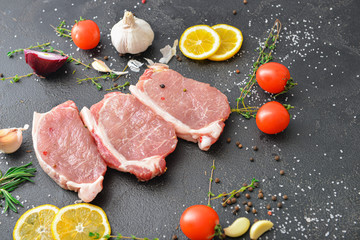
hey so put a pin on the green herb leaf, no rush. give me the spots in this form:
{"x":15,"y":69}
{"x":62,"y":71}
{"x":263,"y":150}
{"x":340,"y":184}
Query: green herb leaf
{"x":10,"y":181}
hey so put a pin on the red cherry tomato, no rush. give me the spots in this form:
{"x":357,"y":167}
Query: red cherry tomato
{"x":85,"y":34}
{"x":272,"y":77}
{"x":198,"y":222}
{"x":272,"y":118}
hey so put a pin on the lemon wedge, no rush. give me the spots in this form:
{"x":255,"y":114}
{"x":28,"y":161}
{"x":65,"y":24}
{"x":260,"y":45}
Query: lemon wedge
{"x":35,"y":223}
{"x":231,"y":41}
{"x":199,"y":42}
{"x":76,"y":221}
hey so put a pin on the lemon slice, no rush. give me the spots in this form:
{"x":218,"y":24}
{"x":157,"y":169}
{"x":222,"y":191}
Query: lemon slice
{"x":199,"y":42}
{"x":231,"y":41}
{"x":35,"y":223}
{"x":76,"y":221}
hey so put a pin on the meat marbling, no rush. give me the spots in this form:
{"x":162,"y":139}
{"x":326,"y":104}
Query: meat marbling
{"x":196,"y":109}
{"x":67,"y":152}
{"x":130,"y":136}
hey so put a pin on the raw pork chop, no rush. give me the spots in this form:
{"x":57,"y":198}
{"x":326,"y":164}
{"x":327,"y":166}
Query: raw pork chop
{"x":196,"y":109}
{"x":130,"y":136}
{"x":67,"y":152}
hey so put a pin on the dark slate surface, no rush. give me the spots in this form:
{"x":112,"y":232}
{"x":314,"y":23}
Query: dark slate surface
{"x":319,"y":150}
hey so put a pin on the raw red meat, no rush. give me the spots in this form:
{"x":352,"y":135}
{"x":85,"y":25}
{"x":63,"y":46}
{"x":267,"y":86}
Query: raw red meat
{"x":67,"y":152}
{"x":196,"y":109}
{"x":130,"y":136}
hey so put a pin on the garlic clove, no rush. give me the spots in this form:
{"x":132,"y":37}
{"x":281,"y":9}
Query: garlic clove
{"x":102,"y":67}
{"x":11,"y":139}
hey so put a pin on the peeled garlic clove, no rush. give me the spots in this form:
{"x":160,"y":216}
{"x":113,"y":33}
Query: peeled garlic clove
{"x":238,"y":228}
{"x":11,"y":139}
{"x":259,"y":228}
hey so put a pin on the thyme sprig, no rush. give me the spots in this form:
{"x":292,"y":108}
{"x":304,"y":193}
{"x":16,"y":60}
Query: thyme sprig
{"x":210,"y":194}
{"x":233,"y":192}
{"x":10,"y":54}
{"x":119,"y":87}
{"x":10,"y":181}
{"x":16,"y":78}
{"x":265,"y":55}
{"x":94,"y":79}
{"x":95,"y":235}
{"x":289,"y":85}
{"x":63,"y":32}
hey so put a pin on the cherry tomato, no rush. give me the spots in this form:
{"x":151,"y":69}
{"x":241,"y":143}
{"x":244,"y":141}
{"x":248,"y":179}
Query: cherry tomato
{"x":272,"y":77}
{"x":198,"y":222}
{"x":272,"y":118}
{"x":85,"y":34}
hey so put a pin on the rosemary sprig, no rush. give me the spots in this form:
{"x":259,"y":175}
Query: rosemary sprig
{"x":61,"y":30}
{"x":16,"y":78}
{"x":264,"y":57}
{"x":119,"y":87}
{"x":210,"y":194}
{"x":94,"y":79}
{"x":233,"y":192}
{"x":10,"y":181}
{"x":10,"y":54}
{"x":96,"y":235}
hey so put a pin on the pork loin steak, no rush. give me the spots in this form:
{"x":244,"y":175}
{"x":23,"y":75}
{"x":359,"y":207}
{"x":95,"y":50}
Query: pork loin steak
{"x":196,"y":109}
{"x":130,"y":136}
{"x":67,"y":152}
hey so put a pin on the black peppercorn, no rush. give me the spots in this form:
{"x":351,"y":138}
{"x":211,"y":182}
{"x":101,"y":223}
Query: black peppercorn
{"x":162,"y":85}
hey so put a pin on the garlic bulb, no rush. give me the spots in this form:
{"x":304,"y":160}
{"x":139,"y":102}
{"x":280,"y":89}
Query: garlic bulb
{"x":11,"y":139}
{"x":131,"y":35}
